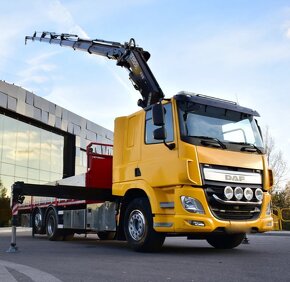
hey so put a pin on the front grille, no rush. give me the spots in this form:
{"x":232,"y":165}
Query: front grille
{"x":231,"y":210}
{"x":230,"y":214}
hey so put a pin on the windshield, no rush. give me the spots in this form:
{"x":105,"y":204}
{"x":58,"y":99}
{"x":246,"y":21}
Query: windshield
{"x":223,"y":126}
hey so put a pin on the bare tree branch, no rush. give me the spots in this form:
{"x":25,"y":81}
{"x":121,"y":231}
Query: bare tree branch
{"x":275,"y":161}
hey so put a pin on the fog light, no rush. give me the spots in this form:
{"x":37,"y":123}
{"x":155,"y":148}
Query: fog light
{"x":196,"y":223}
{"x":238,"y":193}
{"x":192,"y":205}
{"x":228,"y":192}
{"x":248,"y":193}
{"x":259,"y":194}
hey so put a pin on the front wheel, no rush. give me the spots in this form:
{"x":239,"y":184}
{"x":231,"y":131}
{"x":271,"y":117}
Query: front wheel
{"x":226,"y":241}
{"x":138,"y":227}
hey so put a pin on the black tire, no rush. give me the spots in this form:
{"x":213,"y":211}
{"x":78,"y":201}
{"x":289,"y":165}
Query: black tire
{"x":138,"y":227}
{"x":38,"y":226}
{"x":106,"y":235}
{"x":225,"y":241}
{"x":52,"y":232}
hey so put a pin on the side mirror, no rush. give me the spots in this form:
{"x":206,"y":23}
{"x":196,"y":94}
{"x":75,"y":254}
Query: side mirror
{"x":160,"y":133}
{"x":158,"y":114}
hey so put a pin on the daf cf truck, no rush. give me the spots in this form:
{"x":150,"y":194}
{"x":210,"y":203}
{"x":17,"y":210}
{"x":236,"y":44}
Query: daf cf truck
{"x":190,"y":165}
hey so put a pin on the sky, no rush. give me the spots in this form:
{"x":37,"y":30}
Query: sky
{"x":231,"y":49}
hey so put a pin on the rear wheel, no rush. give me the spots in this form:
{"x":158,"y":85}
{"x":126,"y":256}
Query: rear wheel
{"x":38,"y":226}
{"x":52,"y":231}
{"x":226,"y":241}
{"x":138,"y":227}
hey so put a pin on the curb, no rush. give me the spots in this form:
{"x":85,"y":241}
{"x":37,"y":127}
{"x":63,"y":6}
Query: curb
{"x":9,"y":229}
{"x":274,"y":233}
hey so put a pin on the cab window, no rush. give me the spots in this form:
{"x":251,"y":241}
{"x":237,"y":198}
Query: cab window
{"x":150,"y":127}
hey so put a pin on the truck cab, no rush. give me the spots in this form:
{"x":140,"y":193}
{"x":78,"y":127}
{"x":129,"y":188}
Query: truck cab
{"x":205,"y":175}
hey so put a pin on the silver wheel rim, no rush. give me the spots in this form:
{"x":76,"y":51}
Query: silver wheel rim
{"x":38,"y":220}
{"x":50,"y":225}
{"x":136,"y":225}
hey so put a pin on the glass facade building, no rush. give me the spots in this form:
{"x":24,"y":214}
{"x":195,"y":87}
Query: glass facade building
{"x":29,"y":153}
{"x":41,"y":142}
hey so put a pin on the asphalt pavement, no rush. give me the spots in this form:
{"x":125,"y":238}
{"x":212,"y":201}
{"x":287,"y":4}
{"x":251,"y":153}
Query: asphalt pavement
{"x":265,"y":258}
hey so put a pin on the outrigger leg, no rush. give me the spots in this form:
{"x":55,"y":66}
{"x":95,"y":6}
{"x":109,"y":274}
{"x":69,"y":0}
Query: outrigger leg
{"x":15,"y":201}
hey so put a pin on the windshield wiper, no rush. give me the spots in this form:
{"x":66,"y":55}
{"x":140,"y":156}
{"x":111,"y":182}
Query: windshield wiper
{"x":249,"y":147}
{"x":211,"y":141}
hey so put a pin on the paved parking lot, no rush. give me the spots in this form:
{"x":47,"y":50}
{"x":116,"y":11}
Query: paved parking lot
{"x":265,"y":258}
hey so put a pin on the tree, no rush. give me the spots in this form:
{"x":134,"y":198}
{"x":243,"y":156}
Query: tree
{"x":281,"y":199}
{"x":3,"y":191}
{"x":5,"y":211}
{"x":275,"y":161}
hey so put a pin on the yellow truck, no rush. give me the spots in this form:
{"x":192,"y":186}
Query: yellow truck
{"x":191,"y":165}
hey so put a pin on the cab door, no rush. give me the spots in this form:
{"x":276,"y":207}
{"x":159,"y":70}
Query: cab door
{"x":158,"y":164}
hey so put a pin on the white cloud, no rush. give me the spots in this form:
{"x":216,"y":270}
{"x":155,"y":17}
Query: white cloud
{"x":39,"y":59}
{"x":243,"y":47}
{"x":100,"y":104}
{"x":37,"y":69}
{"x":59,"y":14}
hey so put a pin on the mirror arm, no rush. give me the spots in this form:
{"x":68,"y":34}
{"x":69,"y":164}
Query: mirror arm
{"x":259,"y":128}
{"x":170,"y":146}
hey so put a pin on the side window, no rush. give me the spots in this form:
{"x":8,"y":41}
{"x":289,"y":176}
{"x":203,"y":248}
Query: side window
{"x":150,"y":127}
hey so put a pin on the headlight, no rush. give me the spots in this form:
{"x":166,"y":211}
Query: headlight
{"x":228,"y":192}
{"x":238,"y":192}
{"x":248,"y":193}
{"x":192,"y":205}
{"x":259,"y":194}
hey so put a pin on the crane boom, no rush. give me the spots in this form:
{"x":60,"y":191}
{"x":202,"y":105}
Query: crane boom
{"x":127,"y":55}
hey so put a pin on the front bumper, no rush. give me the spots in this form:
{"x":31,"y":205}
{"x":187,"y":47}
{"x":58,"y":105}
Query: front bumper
{"x":182,"y":221}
